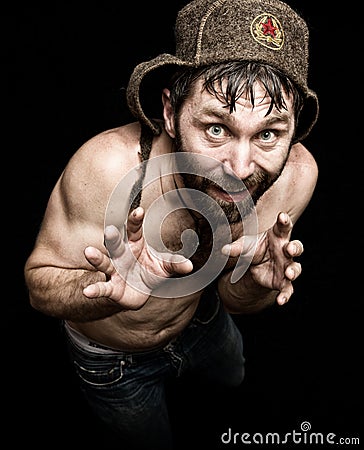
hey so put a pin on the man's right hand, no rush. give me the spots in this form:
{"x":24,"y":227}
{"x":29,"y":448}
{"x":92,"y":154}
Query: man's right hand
{"x":132,"y":268}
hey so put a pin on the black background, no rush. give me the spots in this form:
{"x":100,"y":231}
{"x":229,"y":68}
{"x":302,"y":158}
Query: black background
{"x":65,"y":70}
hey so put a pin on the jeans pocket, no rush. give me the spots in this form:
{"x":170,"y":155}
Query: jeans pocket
{"x":100,"y":375}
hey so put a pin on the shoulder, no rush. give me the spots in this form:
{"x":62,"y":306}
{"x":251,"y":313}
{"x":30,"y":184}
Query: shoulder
{"x":293,"y":190}
{"x":95,"y":169}
{"x":298,"y":180}
{"x":112,"y":153}
{"x":301,"y":159}
{"x":300,"y":172}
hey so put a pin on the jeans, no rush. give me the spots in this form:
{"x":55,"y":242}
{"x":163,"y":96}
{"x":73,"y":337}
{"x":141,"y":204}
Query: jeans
{"x":127,"y":389}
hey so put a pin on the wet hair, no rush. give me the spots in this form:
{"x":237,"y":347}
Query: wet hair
{"x":238,"y":78}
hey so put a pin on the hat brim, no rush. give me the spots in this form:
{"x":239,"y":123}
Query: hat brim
{"x":139,"y":77}
{"x":308,"y":115}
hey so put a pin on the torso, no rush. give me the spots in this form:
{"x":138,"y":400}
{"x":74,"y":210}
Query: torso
{"x":161,"y":319}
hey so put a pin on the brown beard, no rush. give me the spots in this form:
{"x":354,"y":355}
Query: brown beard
{"x":256,"y":184}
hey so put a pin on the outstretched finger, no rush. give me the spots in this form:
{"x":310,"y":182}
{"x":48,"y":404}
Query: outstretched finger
{"x":283,"y":225}
{"x":99,"y":289}
{"x":293,"y":271}
{"x":293,"y":249}
{"x":177,"y":265}
{"x":244,"y":246}
{"x":113,"y":241}
{"x":134,"y":224}
{"x":285,"y":293}
{"x":98,"y":260}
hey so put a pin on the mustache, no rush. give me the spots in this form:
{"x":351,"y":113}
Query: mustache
{"x":256,"y":184}
{"x":257,"y":178}
{"x":232,"y":184}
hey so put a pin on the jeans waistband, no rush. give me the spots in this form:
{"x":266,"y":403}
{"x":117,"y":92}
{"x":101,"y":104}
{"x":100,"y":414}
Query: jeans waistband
{"x":208,"y":307}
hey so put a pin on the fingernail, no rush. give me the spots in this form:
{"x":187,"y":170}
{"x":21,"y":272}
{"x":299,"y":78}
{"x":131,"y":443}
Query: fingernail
{"x":226,"y":250}
{"x":283,"y":300}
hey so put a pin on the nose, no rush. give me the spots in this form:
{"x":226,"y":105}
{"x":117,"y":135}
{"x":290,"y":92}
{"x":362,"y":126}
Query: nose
{"x":239,"y":160}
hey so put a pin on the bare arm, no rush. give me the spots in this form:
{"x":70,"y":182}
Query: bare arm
{"x":57,"y":270}
{"x":59,"y":293}
{"x":70,"y":274}
{"x":269,"y":278}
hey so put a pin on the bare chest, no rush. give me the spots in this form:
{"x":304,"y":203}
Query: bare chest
{"x":170,"y":226}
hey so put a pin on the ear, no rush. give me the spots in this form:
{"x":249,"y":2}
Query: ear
{"x":168,"y":114}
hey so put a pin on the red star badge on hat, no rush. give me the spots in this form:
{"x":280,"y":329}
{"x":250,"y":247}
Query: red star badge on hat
{"x":267,"y":30}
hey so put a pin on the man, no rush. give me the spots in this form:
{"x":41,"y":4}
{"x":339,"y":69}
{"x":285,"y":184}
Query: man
{"x":223,"y":163}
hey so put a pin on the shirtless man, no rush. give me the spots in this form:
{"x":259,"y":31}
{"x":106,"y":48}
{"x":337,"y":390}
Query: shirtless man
{"x":106,"y":285}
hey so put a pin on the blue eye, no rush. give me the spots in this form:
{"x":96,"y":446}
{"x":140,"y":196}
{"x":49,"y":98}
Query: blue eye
{"x":215,"y":130}
{"x":266,"y":135}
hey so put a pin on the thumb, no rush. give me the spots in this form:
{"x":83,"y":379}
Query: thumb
{"x":177,"y":264}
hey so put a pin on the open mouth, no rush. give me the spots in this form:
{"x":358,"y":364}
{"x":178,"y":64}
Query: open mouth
{"x":229,"y":196}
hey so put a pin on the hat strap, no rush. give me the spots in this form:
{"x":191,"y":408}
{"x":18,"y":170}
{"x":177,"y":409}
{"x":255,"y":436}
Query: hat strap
{"x":146,"y":141}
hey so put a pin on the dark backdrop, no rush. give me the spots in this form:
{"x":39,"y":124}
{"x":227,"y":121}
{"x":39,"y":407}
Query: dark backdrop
{"x":65,"y":70}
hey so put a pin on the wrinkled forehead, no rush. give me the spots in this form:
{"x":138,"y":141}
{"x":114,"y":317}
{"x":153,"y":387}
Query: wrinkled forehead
{"x":245,"y":95}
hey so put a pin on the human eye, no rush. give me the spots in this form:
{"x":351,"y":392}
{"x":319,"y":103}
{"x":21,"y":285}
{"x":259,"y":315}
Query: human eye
{"x":216,"y":130}
{"x":267,"y":135}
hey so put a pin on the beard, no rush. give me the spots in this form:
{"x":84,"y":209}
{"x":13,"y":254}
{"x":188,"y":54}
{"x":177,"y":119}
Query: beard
{"x":235,"y":212}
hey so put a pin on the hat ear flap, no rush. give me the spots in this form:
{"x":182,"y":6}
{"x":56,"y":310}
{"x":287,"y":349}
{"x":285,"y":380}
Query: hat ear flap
{"x":307,"y":117}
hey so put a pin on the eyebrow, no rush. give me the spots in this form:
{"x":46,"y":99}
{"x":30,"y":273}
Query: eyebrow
{"x":273,"y":118}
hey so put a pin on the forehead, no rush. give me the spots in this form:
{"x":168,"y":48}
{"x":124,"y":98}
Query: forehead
{"x":256,"y":96}
{"x":252,"y":111}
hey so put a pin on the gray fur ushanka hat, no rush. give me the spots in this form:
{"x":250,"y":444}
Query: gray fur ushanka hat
{"x":216,"y":31}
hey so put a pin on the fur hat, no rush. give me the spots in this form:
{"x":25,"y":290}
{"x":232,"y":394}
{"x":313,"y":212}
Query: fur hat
{"x":216,"y":31}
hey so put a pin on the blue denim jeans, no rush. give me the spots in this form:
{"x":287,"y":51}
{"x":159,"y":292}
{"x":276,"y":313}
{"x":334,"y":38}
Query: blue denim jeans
{"x":127,"y":389}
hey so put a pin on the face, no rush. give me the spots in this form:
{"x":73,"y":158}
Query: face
{"x":247,"y":145}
